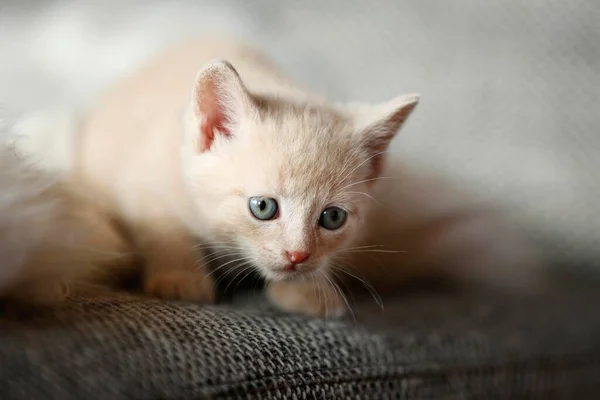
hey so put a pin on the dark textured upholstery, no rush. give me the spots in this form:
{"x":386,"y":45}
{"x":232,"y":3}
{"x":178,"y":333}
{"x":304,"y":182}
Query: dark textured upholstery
{"x":421,"y":346}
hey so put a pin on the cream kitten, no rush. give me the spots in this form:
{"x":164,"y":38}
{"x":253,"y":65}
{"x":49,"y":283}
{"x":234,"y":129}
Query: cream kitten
{"x":270,"y":176}
{"x":236,"y":156}
{"x":50,"y":238}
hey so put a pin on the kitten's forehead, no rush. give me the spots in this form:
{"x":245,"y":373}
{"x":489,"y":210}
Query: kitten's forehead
{"x":314,"y":149}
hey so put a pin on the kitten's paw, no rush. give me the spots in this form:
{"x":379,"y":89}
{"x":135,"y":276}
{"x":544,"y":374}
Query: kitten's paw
{"x":304,"y":297}
{"x":184,"y":285}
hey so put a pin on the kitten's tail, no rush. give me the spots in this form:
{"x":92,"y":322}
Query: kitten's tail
{"x":47,"y":138}
{"x":50,"y":238}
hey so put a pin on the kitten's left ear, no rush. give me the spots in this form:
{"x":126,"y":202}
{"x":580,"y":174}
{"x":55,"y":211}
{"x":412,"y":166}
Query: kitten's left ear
{"x":378,"y":125}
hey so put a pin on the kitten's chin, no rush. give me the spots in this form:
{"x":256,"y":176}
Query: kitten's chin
{"x":279,"y":276}
{"x":282,"y":275}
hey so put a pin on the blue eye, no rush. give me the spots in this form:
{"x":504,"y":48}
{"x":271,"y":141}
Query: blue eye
{"x":263,"y":208}
{"x":333,"y":218}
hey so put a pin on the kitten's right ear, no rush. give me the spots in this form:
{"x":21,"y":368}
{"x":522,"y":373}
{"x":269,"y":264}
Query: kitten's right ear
{"x":219,"y":101}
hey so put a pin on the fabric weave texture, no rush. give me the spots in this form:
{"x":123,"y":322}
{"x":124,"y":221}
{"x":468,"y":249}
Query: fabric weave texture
{"x":419,"y":347}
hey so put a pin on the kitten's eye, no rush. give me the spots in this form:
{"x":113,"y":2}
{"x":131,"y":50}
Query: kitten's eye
{"x":332,"y":218}
{"x":263,"y":208}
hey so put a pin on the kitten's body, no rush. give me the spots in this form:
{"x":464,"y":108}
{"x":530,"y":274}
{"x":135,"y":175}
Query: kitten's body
{"x":178,"y":155}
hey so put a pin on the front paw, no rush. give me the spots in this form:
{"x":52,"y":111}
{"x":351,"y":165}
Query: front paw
{"x":196,"y":286}
{"x":307,"y":298}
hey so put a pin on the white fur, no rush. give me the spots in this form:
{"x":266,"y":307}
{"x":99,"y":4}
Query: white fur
{"x":47,"y":139}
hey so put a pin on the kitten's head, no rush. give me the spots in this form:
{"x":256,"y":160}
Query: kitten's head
{"x":286,"y":185}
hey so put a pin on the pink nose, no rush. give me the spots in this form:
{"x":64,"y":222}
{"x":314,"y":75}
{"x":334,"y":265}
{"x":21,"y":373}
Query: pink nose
{"x":296,"y":257}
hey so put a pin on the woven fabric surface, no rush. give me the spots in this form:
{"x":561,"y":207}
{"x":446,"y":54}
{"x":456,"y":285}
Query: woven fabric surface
{"x":434,"y":346}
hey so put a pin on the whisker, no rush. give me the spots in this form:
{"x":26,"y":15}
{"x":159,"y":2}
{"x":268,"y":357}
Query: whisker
{"x":317,"y":285}
{"x":367,"y":285}
{"x":346,"y":166}
{"x":226,"y":264}
{"x":367,"y":195}
{"x":224,"y":252}
{"x":258,"y":280}
{"x":363,"y":163}
{"x":375,"y":251}
{"x":373,"y":258}
{"x":226,"y":273}
{"x":364,"y":247}
{"x":326,"y":297}
{"x":214,"y":244}
{"x":251,"y":270}
{"x":213,"y":249}
{"x":239,"y":273}
{"x":337,"y":289}
{"x":367,"y":180}
{"x":376,"y":248}
{"x":215,"y":256}
{"x":341,"y":281}
{"x":314,"y":288}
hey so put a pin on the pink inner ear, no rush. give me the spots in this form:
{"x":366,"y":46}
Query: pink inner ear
{"x":212,"y":114}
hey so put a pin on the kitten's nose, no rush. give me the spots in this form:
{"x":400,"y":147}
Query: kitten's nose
{"x":296,"y":257}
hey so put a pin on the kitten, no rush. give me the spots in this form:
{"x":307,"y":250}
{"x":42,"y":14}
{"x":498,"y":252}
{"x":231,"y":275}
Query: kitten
{"x":269,"y":176}
{"x":50,"y":237}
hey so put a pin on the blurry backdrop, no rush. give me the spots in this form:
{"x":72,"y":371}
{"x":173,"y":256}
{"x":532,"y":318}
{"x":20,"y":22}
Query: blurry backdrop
{"x":511,"y":89}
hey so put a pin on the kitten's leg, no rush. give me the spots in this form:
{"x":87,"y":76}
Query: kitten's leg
{"x":308,"y":297}
{"x":173,"y":268}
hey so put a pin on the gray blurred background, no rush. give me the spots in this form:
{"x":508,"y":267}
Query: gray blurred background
{"x":511,"y":89}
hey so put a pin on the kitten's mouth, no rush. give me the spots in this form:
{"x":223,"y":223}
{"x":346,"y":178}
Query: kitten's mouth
{"x":290,"y":271}
{"x":287,"y":271}
{"x":289,"y":268}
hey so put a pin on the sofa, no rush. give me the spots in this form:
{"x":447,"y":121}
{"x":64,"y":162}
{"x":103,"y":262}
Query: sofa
{"x":432,"y":343}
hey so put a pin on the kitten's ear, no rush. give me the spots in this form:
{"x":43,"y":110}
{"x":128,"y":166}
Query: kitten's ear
{"x":379,"y":124}
{"x":219,"y":101}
